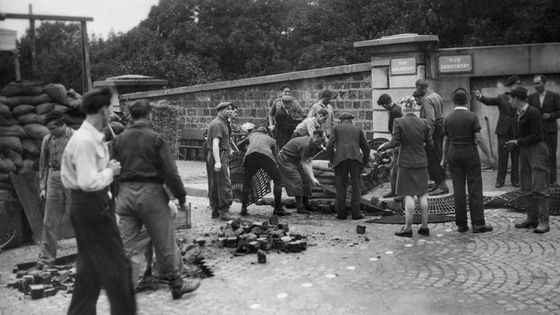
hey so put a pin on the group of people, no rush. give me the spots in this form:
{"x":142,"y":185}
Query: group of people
{"x":286,"y":155}
{"x":526,"y":130}
{"x":111,"y":190}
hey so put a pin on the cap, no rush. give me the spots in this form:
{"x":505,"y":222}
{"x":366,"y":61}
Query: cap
{"x":519,"y":92}
{"x":460,"y":96}
{"x":384,"y":99}
{"x":260,"y":129}
{"x":512,"y":80}
{"x":223,"y":105}
{"x":345,"y":116}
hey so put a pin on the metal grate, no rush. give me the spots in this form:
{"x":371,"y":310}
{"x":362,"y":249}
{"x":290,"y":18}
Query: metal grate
{"x":517,"y":200}
{"x":444,"y":205}
{"x":260,"y":181}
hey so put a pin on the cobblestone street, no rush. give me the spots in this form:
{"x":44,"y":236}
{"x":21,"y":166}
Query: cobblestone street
{"x":507,"y":271}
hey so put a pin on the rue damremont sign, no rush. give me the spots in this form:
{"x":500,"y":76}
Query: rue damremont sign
{"x":455,"y":64}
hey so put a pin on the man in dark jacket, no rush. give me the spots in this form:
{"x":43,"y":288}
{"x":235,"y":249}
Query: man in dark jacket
{"x":261,"y":154}
{"x":147,"y":164}
{"x":504,"y":131}
{"x":461,"y":130}
{"x":548,"y":103}
{"x":533,"y":157}
{"x":343,"y":150}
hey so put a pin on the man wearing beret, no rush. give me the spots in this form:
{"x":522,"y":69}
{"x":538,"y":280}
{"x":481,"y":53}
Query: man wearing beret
{"x":504,"y":130}
{"x":432,"y":111}
{"x":147,"y":164}
{"x":325,"y":98}
{"x":217,"y":162}
{"x":548,"y":103}
{"x":343,"y":150}
{"x":56,"y":195}
{"x":395,"y":111}
{"x":285,"y":114}
{"x":461,"y":130}
{"x":533,"y":161}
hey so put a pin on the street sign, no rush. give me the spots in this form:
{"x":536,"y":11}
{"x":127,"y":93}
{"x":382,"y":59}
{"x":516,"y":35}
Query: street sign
{"x":455,"y":64}
{"x":403,"y":66}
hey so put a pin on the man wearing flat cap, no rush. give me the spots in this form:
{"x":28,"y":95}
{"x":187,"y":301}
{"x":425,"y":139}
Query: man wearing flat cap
{"x":345,"y":157}
{"x":217,"y":162}
{"x":285,"y":114}
{"x":548,"y":103}
{"x":432,"y":111}
{"x":325,"y":97}
{"x":57,"y":197}
{"x":504,"y":131}
{"x":461,"y":130}
{"x":533,"y":161}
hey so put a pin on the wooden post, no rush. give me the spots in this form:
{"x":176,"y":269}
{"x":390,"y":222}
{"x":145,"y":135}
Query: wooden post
{"x":33,"y":46}
{"x":86,"y":72}
{"x":16,"y":64}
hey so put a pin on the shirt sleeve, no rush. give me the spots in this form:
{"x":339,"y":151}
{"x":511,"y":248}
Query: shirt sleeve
{"x":476,"y":125}
{"x":311,"y":125}
{"x":169,"y":170}
{"x":312,"y":111}
{"x":89,"y":177}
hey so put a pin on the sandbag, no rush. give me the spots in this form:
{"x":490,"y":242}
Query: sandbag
{"x":5,"y":178}
{"x":30,"y":100}
{"x":57,"y":92}
{"x":3,"y":99}
{"x":8,"y":121}
{"x":59,"y":108}
{"x":44,"y":108}
{"x":7,"y":166}
{"x":22,"y":109}
{"x":74,"y":100}
{"x":27,"y":88}
{"x":31,"y":118}
{"x":36,"y":131}
{"x":11,"y":143}
{"x":14,"y":157}
{"x":30,"y":148}
{"x":5,"y":111}
{"x":28,"y":164}
{"x":12,"y":131}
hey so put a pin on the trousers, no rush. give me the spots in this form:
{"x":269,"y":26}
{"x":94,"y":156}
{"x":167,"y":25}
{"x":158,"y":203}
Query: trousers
{"x":341,"y":171}
{"x":56,"y":208}
{"x":551,"y":138}
{"x":219,"y":183}
{"x":503,"y":157}
{"x":533,"y":162}
{"x":101,"y":261}
{"x":464,"y":164}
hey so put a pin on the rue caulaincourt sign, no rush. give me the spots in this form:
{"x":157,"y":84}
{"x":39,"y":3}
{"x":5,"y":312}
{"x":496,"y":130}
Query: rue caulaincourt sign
{"x":403,"y":66}
{"x":455,"y":64}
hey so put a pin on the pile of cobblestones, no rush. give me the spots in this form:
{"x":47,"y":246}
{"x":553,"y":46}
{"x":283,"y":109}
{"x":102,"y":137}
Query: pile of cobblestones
{"x":39,"y":283}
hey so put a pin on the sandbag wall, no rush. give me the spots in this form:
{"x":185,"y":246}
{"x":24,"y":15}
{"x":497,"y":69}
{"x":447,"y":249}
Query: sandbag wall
{"x":23,"y":108}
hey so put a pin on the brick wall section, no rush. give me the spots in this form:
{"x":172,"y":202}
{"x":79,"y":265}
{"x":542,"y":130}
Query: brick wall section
{"x":196,"y":109}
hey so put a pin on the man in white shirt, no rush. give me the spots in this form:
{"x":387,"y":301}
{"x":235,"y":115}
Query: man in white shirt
{"x":310,"y":124}
{"x":325,"y":97}
{"x":87,"y":172}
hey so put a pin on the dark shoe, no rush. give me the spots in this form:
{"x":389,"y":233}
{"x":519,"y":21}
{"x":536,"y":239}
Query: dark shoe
{"x":358,"y":217}
{"x":281,"y":212}
{"x":302,"y":211}
{"x":399,"y":198}
{"x":404,"y":233}
{"x":432,"y":187}
{"x":499,"y":185}
{"x":309,"y":207}
{"x":389,"y":194}
{"x":244,"y":212}
{"x":516,"y":185}
{"x":186,"y":287}
{"x":439,"y":191}
{"x":526,"y":225}
{"x":462,"y":228}
{"x":424,"y":231}
{"x":225,"y":216}
{"x":482,"y":228}
{"x":215,"y":214}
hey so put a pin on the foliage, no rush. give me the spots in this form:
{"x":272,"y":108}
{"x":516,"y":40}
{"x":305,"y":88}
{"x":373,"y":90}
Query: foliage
{"x":196,"y":41}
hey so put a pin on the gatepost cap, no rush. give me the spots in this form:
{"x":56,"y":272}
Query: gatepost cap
{"x":223,"y":105}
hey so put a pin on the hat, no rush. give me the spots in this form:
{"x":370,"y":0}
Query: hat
{"x":345,"y":116}
{"x":288,"y":98}
{"x":422,"y":84}
{"x":327,"y":94}
{"x":384,"y":99}
{"x":247,"y":126}
{"x":519,"y":92}
{"x":460,"y":96}
{"x":260,"y":129}
{"x":223,"y":105}
{"x":512,"y":80}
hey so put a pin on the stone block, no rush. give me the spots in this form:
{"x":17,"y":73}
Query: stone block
{"x":361,"y":229}
{"x":231,"y":242}
{"x":261,"y":257}
{"x":37,"y":291}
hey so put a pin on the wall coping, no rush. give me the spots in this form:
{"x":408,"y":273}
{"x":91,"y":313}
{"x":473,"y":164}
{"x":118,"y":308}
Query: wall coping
{"x":274,"y":78}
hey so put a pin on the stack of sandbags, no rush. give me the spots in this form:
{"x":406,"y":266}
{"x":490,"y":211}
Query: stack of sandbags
{"x":23,"y":108}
